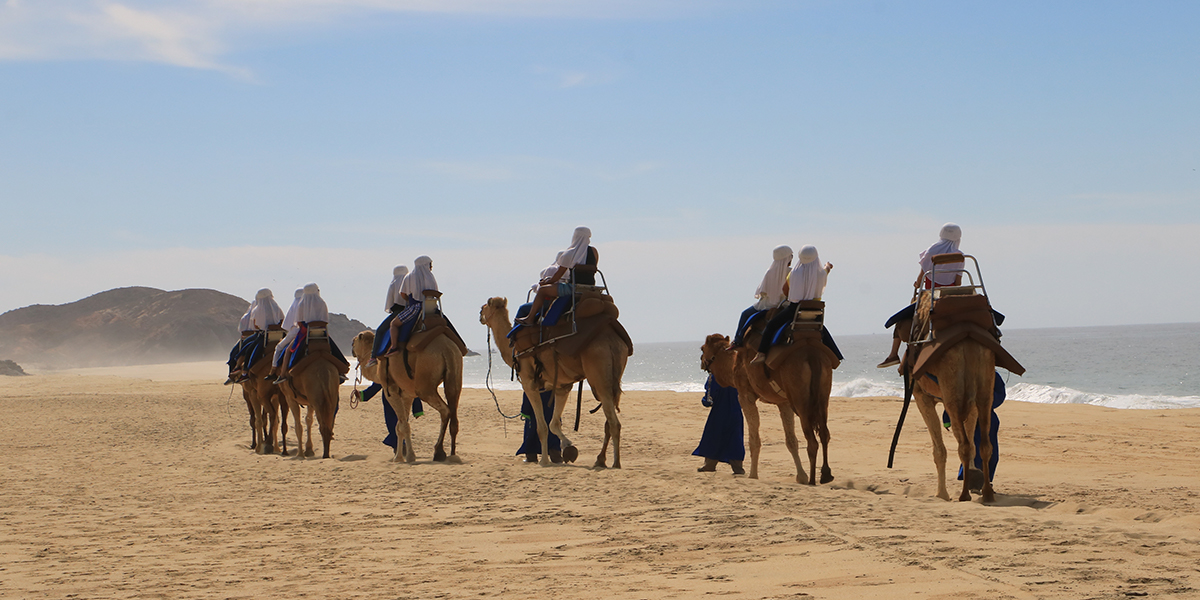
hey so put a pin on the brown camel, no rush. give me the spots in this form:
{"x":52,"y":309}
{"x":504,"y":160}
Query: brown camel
{"x":799,"y":376}
{"x":601,"y":361}
{"x":965,"y":375}
{"x":314,"y":382}
{"x":718,"y":358}
{"x":266,"y":401}
{"x":438,"y":363}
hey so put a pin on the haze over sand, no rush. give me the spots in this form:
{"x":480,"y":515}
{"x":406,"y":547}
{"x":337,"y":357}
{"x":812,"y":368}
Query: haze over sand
{"x":123,"y":484}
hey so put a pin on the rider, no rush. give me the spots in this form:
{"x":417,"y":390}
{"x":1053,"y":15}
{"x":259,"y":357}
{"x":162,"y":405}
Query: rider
{"x":264,"y":313}
{"x":393,"y":304}
{"x":246,"y":330}
{"x":412,"y":295}
{"x":293,"y":329}
{"x":948,"y":241}
{"x":579,"y":253}
{"x":312,"y":309}
{"x":770,"y":293}
{"x":806,"y":282}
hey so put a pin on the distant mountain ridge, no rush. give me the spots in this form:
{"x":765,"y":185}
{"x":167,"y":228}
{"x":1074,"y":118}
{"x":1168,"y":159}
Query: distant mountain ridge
{"x":133,"y":326}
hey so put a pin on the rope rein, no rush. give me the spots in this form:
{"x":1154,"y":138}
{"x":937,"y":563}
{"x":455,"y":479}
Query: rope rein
{"x":487,"y":381}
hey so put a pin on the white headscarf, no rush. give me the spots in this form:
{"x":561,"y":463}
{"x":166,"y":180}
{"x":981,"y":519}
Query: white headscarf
{"x":420,"y":279}
{"x":266,"y":311}
{"x":393,"y":293}
{"x":949,"y":237}
{"x":289,"y":320}
{"x":245,"y":323}
{"x":809,"y":277}
{"x":577,"y":253}
{"x":770,"y":291}
{"x":312,"y":307}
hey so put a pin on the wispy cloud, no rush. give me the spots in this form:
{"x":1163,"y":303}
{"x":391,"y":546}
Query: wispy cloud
{"x":197,"y":34}
{"x":570,"y":78}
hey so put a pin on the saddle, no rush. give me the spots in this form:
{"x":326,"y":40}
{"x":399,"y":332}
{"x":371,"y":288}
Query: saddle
{"x":434,"y":326}
{"x":805,"y":333}
{"x":525,"y":339}
{"x":317,"y":347}
{"x":953,"y":319}
{"x":271,"y":338}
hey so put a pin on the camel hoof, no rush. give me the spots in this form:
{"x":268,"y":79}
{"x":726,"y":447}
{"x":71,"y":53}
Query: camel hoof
{"x":826,"y":475}
{"x":570,"y":454}
{"x":600,"y":464}
{"x":988,"y":497}
{"x":616,"y":465}
{"x":975,"y":479}
{"x":309,"y":454}
{"x":439,"y":455}
{"x":556,"y":457}
{"x":965,"y":497}
{"x":801,"y":478}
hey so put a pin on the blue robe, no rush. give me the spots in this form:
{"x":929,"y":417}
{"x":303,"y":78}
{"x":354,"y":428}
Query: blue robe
{"x":389,"y":415}
{"x":722,"y":440}
{"x":531,"y":444}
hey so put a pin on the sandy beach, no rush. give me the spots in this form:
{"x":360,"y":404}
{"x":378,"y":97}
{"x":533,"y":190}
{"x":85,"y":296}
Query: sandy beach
{"x":138,"y":483}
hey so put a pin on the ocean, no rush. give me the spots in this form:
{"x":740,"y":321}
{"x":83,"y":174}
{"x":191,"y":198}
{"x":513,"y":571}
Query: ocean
{"x":1127,"y":366}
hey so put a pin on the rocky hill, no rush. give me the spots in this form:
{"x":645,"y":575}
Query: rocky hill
{"x":132,"y":326}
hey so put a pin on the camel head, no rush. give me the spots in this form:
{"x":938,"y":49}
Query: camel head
{"x":361,"y":346}
{"x":715,"y":346}
{"x":495,"y":306}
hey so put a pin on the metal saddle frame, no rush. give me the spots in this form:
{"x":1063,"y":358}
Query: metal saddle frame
{"x":923,"y":333}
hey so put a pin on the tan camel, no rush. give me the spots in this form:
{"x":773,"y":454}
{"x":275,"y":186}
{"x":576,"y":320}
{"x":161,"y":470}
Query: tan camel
{"x":799,"y":376}
{"x":965,"y":375}
{"x":601,"y":361}
{"x":438,"y":363}
{"x":313,"y":383}
{"x":718,"y":358}
{"x":265,"y":400}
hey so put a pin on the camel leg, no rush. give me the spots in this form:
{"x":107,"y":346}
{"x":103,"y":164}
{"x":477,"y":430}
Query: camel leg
{"x":562,"y":396}
{"x":535,"y":400}
{"x":750,"y":411}
{"x":402,"y":406}
{"x":274,"y":406}
{"x":983,"y":403}
{"x":788,"y":417}
{"x":823,"y":384}
{"x":298,"y":427}
{"x":253,"y":421}
{"x":327,"y":414}
{"x":934,"y":424}
{"x":434,"y":400}
{"x":308,"y":421}
{"x":604,"y":376}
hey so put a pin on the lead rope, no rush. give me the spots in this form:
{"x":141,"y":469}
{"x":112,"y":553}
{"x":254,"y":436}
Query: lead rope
{"x":487,"y":382}
{"x":355,"y":395}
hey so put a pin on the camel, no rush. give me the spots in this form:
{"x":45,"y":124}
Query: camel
{"x":601,"y":360}
{"x":965,"y":373}
{"x":417,"y":375}
{"x":265,"y":401}
{"x":798,"y":384}
{"x":719,"y":359}
{"x":314,"y":382}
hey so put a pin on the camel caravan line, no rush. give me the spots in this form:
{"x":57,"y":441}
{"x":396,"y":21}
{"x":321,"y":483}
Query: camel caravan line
{"x":568,"y":332}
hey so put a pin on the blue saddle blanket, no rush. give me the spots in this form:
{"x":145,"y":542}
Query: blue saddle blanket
{"x":549,"y":318}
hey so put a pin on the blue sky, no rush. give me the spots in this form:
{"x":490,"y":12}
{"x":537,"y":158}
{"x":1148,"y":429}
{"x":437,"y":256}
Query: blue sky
{"x":236,"y":145}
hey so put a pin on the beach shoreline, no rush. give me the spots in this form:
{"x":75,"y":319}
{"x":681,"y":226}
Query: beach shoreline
{"x":130,"y":487}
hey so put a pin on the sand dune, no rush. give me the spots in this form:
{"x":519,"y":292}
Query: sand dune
{"x":140,"y":485}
